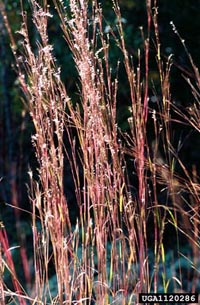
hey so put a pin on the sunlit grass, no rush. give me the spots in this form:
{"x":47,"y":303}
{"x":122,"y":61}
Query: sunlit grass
{"x":110,"y":255}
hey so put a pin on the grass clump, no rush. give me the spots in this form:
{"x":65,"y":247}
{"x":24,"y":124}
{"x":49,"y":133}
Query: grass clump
{"x":107,"y":257}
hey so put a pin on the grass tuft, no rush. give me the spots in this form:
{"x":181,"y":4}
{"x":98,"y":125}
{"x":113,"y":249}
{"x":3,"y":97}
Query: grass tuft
{"x":117,"y":247}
